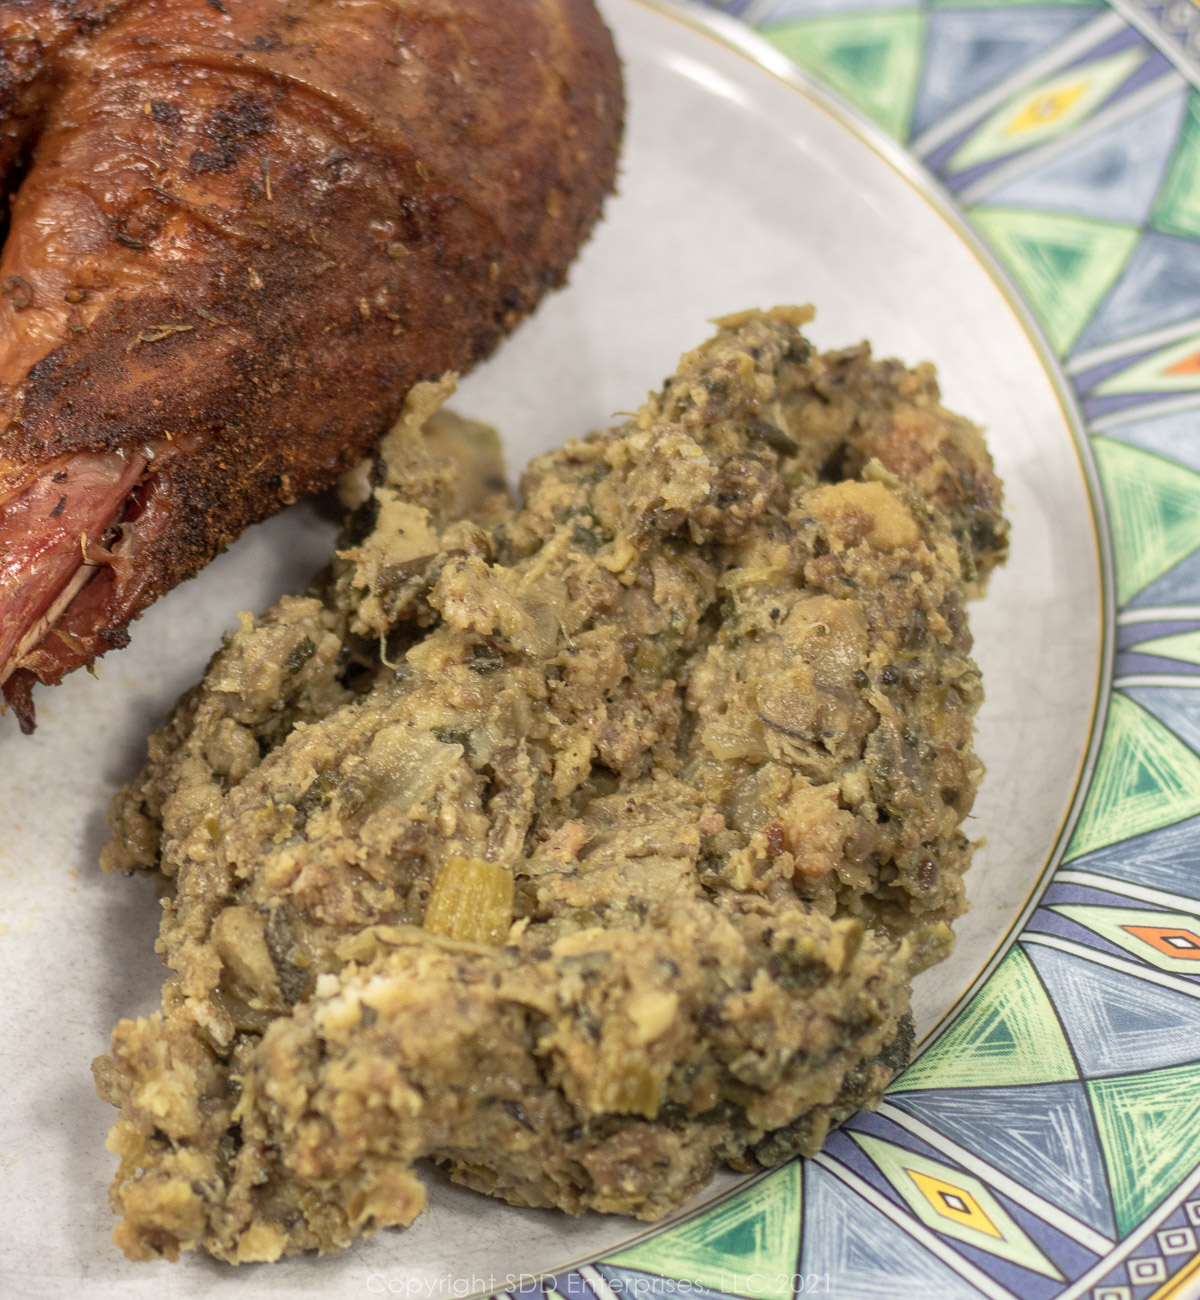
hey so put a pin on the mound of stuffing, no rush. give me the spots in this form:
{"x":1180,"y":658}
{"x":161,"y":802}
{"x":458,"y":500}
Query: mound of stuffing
{"x":577,"y":845}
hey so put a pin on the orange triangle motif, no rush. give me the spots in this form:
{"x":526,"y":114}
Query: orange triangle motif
{"x":1185,"y":366}
{"x":1170,"y":940}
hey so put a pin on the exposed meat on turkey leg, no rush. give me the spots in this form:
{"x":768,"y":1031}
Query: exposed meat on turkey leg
{"x":239,"y":234}
{"x":44,"y":536}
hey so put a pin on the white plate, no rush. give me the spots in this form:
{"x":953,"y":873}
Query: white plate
{"x":736,"y":190}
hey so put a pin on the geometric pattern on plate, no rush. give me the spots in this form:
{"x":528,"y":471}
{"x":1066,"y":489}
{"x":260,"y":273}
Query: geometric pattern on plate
{"x":1159,"y":288}
{"x":1175,"y":590}
{"x":1174,"y":705}
{"x":1063,"y":264}
{"x":1149,"y":1127}
{"x":1153,"y":519}
{"x":1047,"y":109}
{"x":1168,"y":940}
{"x":746,"y":1246}
{"x":956,"y":1204}
{"x":1042,"y":1135}
{"x":1183,"y":646}
{"x":1173,"y":369}
{"x":1060,"y":1094}
{"x":1170,"y":435}
{"x":1008,"y":1034}
{"x":1145,"y":777}
{"x":1115,"y":175}
{"x":876,"y":57}
{"x":967,"y":51}
{"x":1116,"y":1022}
{"x":1159,"y":866}
{"x":1177,"y":211}
{"x":856,"y":1247}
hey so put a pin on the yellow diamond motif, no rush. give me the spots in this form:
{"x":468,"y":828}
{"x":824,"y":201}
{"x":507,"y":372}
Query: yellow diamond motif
{"x":954,"y":1202}
{"x":1046,"y":109}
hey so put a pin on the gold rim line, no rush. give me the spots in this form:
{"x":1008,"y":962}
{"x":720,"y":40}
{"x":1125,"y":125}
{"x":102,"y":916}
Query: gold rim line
{"x":735,"y":36}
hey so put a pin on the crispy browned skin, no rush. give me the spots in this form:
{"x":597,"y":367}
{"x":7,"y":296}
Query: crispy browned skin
{"x":245,"y":230}
{"x":34,"y":37}
{"x":578,"y":847}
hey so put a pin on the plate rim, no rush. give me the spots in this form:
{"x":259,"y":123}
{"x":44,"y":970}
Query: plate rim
{"x":735,"y":34}
{"x":1164,"y":1204}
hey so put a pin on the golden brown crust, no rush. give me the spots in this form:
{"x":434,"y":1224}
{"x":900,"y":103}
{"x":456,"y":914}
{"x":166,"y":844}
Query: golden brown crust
{"x":271,"y":223}
{"x":34,"y":36}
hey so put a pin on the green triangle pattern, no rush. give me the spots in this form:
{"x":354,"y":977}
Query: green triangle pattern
{"x":871,"y":59}
{"x":1006,"y":1240}
{"x":1177,"y":209}
{"x":1153,"y":373}
{"x":747,"y":1245}
{"x":1183,"y":646}
{"x":1153,"y":509}
{"x":1007,"y":1034}
{"x":1149,"y":1126}
{"x":1145,"y":778}
{"x":1046,"y":110}
{"x":1063,"y":264}
{"x":991,"y":4}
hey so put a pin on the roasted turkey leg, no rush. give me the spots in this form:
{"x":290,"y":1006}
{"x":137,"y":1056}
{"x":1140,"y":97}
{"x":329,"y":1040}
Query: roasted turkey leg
{"x":239,"y":233}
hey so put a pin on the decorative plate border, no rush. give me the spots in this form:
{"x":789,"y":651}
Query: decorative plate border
{"x":1046,"y":1146}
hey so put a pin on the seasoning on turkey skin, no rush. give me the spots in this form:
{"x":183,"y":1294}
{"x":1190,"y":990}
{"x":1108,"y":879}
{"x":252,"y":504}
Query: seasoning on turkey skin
{"x":579,"y":845}
{"x":234,"y":237}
